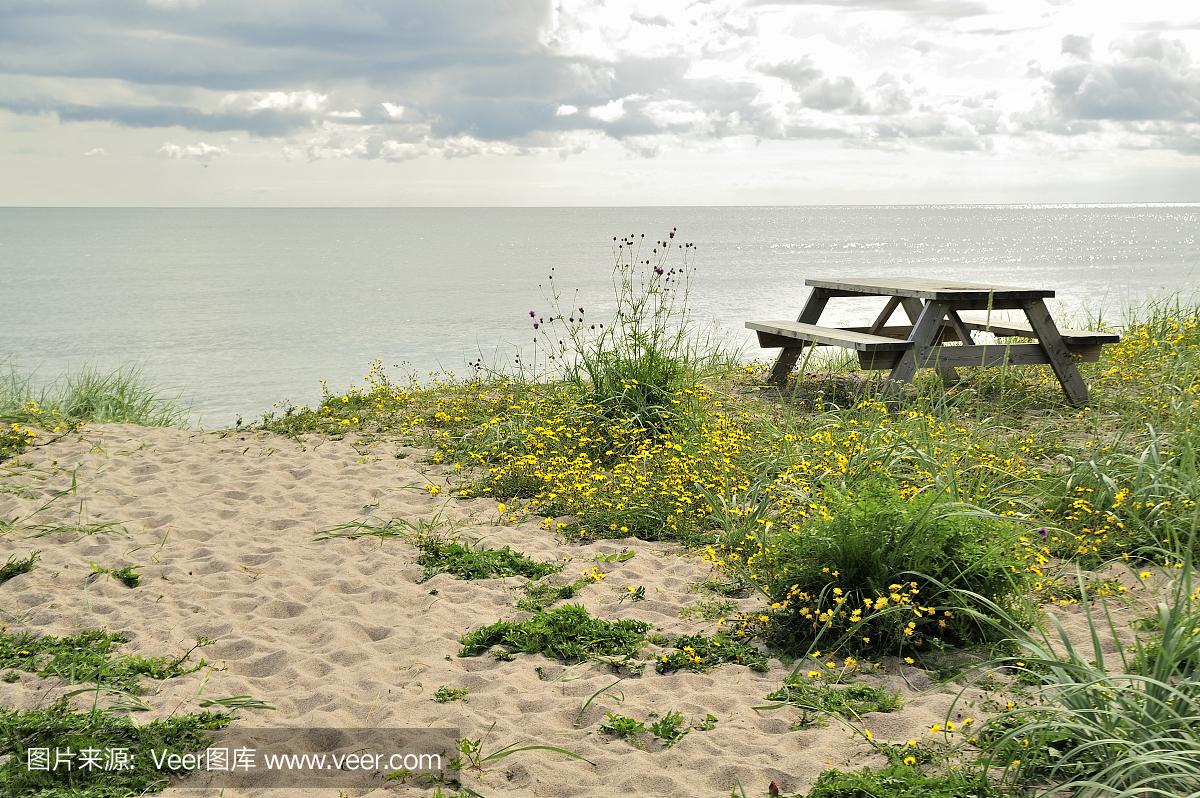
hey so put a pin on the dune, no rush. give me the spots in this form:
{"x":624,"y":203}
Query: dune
{"x":342,"y":633}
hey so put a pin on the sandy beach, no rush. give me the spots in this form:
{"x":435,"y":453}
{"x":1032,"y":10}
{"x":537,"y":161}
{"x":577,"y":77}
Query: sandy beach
{"x":340,"y":633}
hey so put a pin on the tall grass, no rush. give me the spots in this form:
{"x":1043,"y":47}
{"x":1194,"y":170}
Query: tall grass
{"x":636,"y":365}
{"x":1101,"y":725}
{"x":88,"y":395}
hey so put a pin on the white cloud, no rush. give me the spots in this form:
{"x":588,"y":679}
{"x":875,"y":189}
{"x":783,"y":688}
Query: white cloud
{"x":97,"y":151}
{"x":566,"y":110}
{"x":394,"y":111}
{"x":200,"y":151}
{"x":610,"y":112}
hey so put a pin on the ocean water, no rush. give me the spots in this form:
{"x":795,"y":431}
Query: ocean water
{"x":241,"y":308}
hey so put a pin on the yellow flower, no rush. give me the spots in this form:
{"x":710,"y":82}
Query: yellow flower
{"x":910,"y":760}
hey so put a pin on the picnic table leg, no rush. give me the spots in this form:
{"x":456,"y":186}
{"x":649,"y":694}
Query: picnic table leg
{"x":913,"y":308}
{"x":1056,"y":349}
{"x":924,"y":333}
{"x":817,"y":300}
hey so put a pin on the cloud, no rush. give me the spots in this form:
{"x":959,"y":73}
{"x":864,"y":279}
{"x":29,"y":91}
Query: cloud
{"x":1153,"y":81}
{"x":1077,"y":45}
{"x":200,"y":151}
{"x":96,"y":151}
{"x":949,"y":9}
{"x":609,"y":112}
{"x":398,"y":80}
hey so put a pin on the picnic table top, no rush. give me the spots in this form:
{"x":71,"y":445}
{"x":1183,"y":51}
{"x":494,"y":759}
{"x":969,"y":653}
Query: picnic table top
{"x":940,"y":290}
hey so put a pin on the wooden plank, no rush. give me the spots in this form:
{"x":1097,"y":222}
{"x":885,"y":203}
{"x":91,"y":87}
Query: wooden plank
{"x":1060,"y":357}
{"x":913,"y":307}
{"x":814,"y":306}
{"x":940,"y":290}
{"x":923,"y":333}
{"x":1023,"y":330}
{"x":884,"y":316}
{"x":830,"y":336}
{"x":979,"y":355}
{"x":960,"y":329}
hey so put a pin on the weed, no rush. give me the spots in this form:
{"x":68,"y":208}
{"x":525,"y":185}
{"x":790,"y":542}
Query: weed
{"x":709,"y":610}
{"x":540,"y":595}
{"x":567,"y":633}
{"x":670,"y":728}
{"x":89,"y":395}
{"x":82,"y":529}
{"x":84,"y":657}
{"x":236,"y":702}
{"x":632,"y":594}
{"x":382,"y":528}
{"x":623,"y":727}
{"x":15,"y":567}
{"x":125,"y":766}
{"x":698,"y":653}
{"x":445,"y":694}
{"x":471,"y":757}
{"x":1124,"y":729}
{"x":903,"y":781}
{"x":852,"y":701}
{"x":439,"y":556}
{"x":12,"y":676}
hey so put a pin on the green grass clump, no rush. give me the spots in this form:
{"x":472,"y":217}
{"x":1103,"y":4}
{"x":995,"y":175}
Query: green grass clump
{"x":59,"y":726}
{"x":88,"y":395}
{"x":566,"y":633}
{"x":85,"y":657}
{"x":624,"y":727}
{"x":14,"y":439}
{"x":883,"y":574}
{"x":15,"y":567}
{"x":446,"y":694}
{"x":852,"y":701}
{"x":699,"y":653}
{"x":540,"y":595}
{"x":709,"y":610}
{"x":902,"y":781}
{"x":439,"y":556}
{"x":1102,"y":727}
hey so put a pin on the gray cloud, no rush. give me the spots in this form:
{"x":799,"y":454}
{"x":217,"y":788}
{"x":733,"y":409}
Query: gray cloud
{"x":1077,"y":45}
{"x":950,"y":9}
{"x":1154,"y":81}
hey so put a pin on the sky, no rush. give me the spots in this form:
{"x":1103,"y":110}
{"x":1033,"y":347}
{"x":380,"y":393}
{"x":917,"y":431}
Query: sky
{"x":571,"y":103}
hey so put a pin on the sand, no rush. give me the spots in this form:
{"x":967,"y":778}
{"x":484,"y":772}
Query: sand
{"x":340,"y":633}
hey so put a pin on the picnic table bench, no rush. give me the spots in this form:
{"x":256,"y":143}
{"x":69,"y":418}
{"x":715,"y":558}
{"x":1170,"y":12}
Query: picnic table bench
{"x":932,"y":307}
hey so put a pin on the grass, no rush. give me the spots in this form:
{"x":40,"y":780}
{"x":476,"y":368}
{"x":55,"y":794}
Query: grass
{"x":87,"y":657}
{"x":445,"y":694}
{"x":440,"y":556}
{"x":700,"y":653}
{"x":709,"y":609}
{"x":15,"y":567}
{"x":540,"y":595}
{"x":1102,"y":727}
{"x":59,"y":726}
{"x":902,"y":781}
{"x":87,"y":395}
{"x":851,"y":701}
{"x":946,"y":522}
{"x":566,"y":633}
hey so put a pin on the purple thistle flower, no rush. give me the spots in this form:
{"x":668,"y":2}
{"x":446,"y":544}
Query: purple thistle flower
{"x":1041,"y":530}
{"x":532,"y":313}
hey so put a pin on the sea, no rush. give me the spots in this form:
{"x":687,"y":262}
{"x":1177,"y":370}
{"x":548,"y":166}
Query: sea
{"x":239,"y":310}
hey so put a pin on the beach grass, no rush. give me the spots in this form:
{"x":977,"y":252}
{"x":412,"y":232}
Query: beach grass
{"x":77,"y":397}
{"x":946,"y":524}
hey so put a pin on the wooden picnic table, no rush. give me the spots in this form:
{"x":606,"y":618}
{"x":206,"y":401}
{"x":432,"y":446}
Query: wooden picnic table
{"x":932,"y":307}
